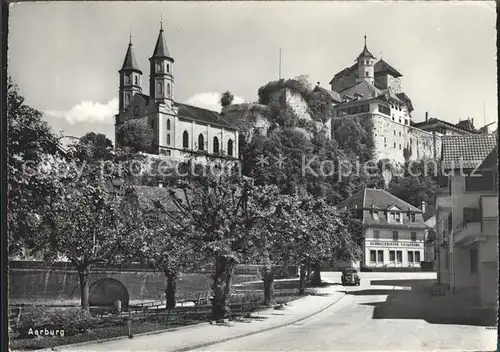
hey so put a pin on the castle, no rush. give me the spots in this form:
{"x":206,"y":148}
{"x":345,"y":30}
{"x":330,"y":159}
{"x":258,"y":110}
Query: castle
{"x":368,"y":89}
{"x":180,"y":130}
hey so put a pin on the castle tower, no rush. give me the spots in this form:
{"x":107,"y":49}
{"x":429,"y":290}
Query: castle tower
{"x":161,"y":79}
{"x":366,"y":62}
{"x":130,"y":79}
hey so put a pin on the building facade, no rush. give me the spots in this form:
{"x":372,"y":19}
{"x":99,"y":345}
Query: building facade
{"x":394,"y":231}
{"x":180,"y":130}
{"x":467,"y":225}
{"x":372,"y":89}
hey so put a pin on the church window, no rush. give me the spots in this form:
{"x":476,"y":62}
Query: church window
{"x":394,"y":132}
{"x":367,"y":74}
{"x":185,"y":140}
{"x":168,"y":124}
{"x":168,"y":67}
{"x":127,"y":79}
{"x":400,"y":147}
{"x":127,"y":98}
{"x":201,"y":142}
{"x":136,"y":80}
{"x":394,"y":145}
{"x":399,"y":133}
{"x":216,"y":145}
{"x":168,"y":139}
{"x":168,"y":89}
{"x":230,"y":147}
{"x":159,"y":88}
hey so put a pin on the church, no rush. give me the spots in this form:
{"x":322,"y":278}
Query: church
{"x":180,"y":130}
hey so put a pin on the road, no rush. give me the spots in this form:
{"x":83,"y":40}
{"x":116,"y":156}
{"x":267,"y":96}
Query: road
{"x":387,"y":312}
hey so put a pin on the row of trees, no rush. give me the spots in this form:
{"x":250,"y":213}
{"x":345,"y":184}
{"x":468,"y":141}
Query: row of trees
{"x":276,"y":216}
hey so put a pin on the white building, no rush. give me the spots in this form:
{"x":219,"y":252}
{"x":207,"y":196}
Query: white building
{"x":467,"y":218}
{"x":180,"y":130}
{"x":393,"y":229}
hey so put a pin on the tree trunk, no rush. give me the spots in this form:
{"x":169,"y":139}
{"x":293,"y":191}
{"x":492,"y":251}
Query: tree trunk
{"x":84,"y":276}
{"x":308,"y":275}
{"x":302,"y":279}
{"x":171,"y":290}
{"x":224,"y":268}
{"x":268,"y":279}
{"x":316,"y":280}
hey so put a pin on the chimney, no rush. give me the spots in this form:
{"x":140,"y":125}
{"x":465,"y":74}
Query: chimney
{"x":424,"y":207}
{"x":426,"y":116}
{"x":317,"y":83}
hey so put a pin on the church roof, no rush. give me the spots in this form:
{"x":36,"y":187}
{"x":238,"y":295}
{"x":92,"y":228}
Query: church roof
{"x":161,"y":48}
{"x":203,"y":115}
{"x":130,"y":63}
{"x":383,"y":67}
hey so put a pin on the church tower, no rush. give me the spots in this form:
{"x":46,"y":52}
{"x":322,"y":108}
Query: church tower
{"x":161,"y":79}
{"x":130,"y":79}
{"x":366,"y":62}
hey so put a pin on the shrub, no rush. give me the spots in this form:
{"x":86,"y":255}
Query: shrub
{"x":72,"y":321}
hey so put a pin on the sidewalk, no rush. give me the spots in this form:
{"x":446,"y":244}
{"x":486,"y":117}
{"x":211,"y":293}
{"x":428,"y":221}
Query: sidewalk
{"x":204,"y":334}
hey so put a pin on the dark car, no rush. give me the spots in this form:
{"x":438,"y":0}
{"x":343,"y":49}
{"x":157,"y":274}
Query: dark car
{"x":350,"y":277}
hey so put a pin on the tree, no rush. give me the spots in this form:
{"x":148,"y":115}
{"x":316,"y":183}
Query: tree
{"x":94,"y":146}
{"x":30,"y":144}
{"x":356,"y":136}
{"x":86,"y":223}
{"x":135,"y":134}
{"x":226,"y":99}
{"x":162,"y":243}
{"x":417,"y":183}
{"x":218,"y":214}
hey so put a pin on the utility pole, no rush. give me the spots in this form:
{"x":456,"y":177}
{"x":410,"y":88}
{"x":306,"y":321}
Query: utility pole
{"x":280,"y":65}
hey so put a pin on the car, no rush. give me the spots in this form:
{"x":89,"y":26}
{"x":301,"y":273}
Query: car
{"x":350,"y":277}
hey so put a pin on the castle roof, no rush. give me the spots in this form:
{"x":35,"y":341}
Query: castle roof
{"x":365,"y":53}
{"x":161,"y":48}
{"x":383,"y":67}
{"x":334,"y":95}
{"x":130,"y":63}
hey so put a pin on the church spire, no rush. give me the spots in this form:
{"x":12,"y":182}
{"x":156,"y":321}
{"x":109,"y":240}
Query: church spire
{"x":161,"y":48}
{"x":130,"y":63}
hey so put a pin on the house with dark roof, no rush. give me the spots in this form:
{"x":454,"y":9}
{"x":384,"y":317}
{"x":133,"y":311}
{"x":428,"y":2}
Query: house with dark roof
{"x":394,"y":231}
{"x":467,"y":216}
{"x":180,"y":130}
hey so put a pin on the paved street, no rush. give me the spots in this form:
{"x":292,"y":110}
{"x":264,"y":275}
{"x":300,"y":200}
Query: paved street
{"x":388,"y":311}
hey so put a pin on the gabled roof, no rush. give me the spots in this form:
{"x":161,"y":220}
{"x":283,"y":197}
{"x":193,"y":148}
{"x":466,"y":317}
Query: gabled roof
{"x":433,"y":120}
{"x":378,"y":198}
{"x":130,"y":63}
{"x":466,"y":151}
{"x":383,"y":67}
{"x":203,"y":115}
{"x":334,"y":95}
{"x":403,"y":97}
{"x":364,"y":88}
{"x":145,"y":97}
{"x":491,"y":161}
{"x":161,"y":48}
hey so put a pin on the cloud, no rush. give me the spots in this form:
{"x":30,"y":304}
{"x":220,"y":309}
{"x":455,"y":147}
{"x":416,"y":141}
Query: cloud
{"x":88,"y":111}
{"x":210,"y":100}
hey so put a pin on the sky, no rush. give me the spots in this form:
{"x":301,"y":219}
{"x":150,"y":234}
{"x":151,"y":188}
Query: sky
{"x":64,"y":56}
